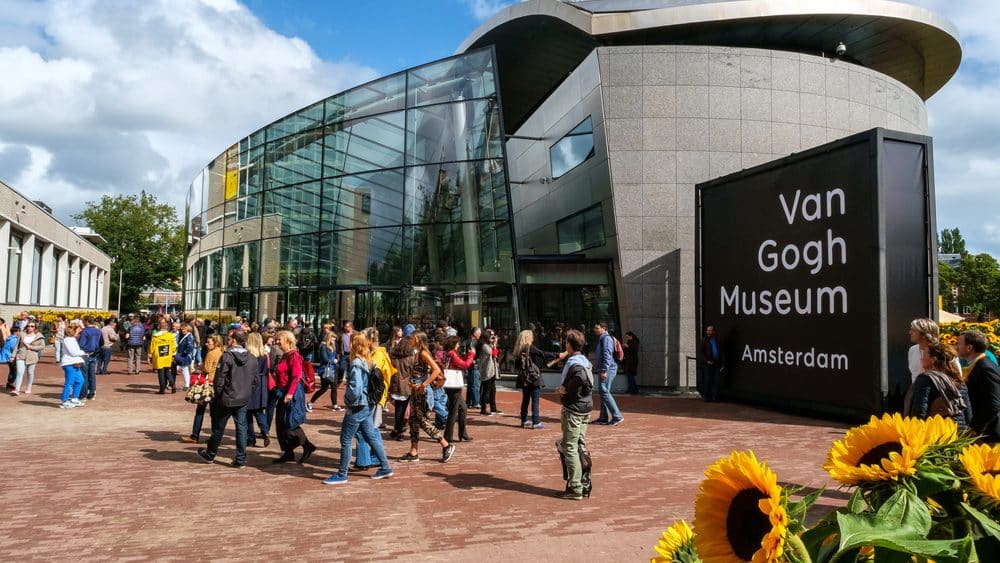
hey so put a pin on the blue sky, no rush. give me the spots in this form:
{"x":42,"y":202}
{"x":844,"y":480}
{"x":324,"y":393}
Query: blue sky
{"x":114,"y":97}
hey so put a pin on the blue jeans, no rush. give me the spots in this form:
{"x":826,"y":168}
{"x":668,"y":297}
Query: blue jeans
{"x":260,"y":415}
{"x":89,"y":370}
{"x":440,"y":407}
{"x":712,"y":382}
{"x":199,"y":421}
{"x":220,"y":417}
{"x":103,"y":359}
{"x":358,"y":421}
{"x":367,"y":455}
{"x":534,"y":395}
{"x":472,"y":394}
{"x":73,"y":384}
{"x":58,"y":345}
{"x":609,"y":408}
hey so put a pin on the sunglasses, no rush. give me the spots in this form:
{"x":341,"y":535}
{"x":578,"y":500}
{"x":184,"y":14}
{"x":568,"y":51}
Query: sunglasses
{"x":31,"y":326}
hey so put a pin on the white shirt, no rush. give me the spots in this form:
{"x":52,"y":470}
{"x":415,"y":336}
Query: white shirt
{"x":71,"y":352}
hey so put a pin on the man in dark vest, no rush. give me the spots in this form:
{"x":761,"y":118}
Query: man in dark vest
{"x":983,"y":382}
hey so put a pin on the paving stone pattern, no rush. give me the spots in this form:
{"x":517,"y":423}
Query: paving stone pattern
{"x":112,"y":481}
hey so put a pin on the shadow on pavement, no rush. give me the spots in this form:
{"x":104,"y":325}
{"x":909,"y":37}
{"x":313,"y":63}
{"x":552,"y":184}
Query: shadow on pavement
{"x":469,"y":481}
{"x":138,"y":388}
{"x":161,"y":435}
{"x":42,"y":403}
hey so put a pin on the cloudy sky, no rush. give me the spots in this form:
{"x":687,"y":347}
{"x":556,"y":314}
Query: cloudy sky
{"x":117,"y":96}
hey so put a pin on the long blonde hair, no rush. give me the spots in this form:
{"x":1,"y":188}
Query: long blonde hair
{"x":360,"y":348}
{"x":255,"y":344}
{"x":524,"y":341}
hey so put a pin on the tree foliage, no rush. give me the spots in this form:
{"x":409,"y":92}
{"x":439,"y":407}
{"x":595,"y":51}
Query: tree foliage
{"x":145,"y":238}
{"x":950,"y":241}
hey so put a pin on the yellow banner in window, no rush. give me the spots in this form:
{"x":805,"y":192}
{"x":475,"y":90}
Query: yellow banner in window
{"x":232,"y":183}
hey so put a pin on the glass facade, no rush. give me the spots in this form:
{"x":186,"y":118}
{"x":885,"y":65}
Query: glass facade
{"x":384,"y":203}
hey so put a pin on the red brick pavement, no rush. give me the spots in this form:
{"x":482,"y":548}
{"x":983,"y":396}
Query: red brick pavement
{"x":112,"y":481}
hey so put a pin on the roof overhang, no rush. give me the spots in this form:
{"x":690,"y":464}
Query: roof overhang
{"x":539,"y":42}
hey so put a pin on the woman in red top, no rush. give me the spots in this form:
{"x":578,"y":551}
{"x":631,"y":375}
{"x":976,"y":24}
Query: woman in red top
{"x":456,"y":406}
{"x":291,"y":401}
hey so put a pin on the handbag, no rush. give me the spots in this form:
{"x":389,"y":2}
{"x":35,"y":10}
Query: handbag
{"x":330,"y":374}
{"x":453,"y":378}
{"x":201,"y":391}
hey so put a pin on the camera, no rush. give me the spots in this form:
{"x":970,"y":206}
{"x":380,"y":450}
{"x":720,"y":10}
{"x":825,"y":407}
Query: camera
{"x":841,"y":49}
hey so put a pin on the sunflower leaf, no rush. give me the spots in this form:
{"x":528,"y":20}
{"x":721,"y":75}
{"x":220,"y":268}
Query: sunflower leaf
{"x":905,"y":509}
{"x":989,"y":526}
{"x":797,"y":510}
{"x":933,"y":482}
{"x":905,"y":535}
{"x":856,"y":504}
{"x":821,"y":540}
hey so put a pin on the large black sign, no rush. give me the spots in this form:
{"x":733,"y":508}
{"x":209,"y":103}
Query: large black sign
{"x":811,"y":267}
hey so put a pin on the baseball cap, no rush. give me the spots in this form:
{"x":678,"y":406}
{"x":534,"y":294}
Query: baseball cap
{"x":408,"y":330}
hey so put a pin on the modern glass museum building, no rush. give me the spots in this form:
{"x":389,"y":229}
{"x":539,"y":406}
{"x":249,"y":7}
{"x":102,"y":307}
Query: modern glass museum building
{"x":546,"y":173}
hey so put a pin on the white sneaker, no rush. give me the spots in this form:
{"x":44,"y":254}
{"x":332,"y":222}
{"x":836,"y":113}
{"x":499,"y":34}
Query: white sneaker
{"x":67,"y":405}
{"x":79,"y":402}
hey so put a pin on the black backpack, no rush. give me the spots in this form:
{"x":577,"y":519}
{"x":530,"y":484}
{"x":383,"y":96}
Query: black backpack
{"x":376,"y":386}
{"x":307,"y":342}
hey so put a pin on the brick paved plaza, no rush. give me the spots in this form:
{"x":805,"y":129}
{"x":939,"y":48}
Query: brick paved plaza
{"x":112,"y":481}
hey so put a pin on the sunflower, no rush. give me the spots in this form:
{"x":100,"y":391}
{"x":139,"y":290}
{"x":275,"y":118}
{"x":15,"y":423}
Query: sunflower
{"x":739,"y":514}
{"x":982,"y":463}
{"x":676,"y":544}
{"x":886,"y":448}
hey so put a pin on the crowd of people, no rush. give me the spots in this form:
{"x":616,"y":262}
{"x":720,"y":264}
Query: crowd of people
{"x":265,"y":375}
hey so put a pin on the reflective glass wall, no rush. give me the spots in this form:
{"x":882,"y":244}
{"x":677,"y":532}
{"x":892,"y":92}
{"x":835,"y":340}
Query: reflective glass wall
{"x":387,"y":202}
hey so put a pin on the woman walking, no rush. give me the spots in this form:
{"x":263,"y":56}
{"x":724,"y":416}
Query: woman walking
{"x":403,"y":360}
{"x":358,"y":415}
{"x":31,"y":344}
{"x":328,"y":377}
{"x":185,"y":354}
{"x":489,"y":371}
{"x":211,"y":364}
{"x":162,"y":346}
{"x":58,"y":333}
{"x":527,"y":359}
{"x":630,"y":363}
{"x":457,"y":409}
{"x":257,"y":407}
{"x":939,"y":388}
{"x":382,"y":367}
{"x":291,"y":400}
{"x":72,"y":360}
{"x":425,"y":373}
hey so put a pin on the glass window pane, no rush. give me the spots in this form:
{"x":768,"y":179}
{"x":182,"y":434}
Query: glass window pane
{"x":364,"y":200}
{"x":290,"y":261}
{"x":212,"y":220}
{"x":301,"y":120}
{"x":252,"y":171}
{"x":293,"y":210}
{"x":457,"y":191}
{"x":581,"y":231}
{"x":573,"y":149}
{"x":294,"y":159}
{"x":459,"y":253}
{"x":459,"y":78}
{"x":461,"y":131}
{"x":234,"y":266}
{"x":381,"y":96}
{"x":365,"y":144}
{"x":361,"y":256}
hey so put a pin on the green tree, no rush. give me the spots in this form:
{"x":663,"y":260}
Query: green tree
{"x":950,"y":241}
{"x":145,"y":238}
{"x":978,"y":279}
{"x":948,"y":278}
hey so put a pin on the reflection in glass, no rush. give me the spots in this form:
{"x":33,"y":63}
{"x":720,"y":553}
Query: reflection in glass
{"x":581,"y":231}
{"x":381,"y":96}
{"x":457,"y":191}
{"x":365,"y":200}
{"x":361,"y":256}
{"x":576,"y":147}
{"x":461,"y":131}
{"x":241,"y":265}
{"x":363,"y":145}
{"x":459,"y":78}
{"x":294,"y":159}
{"x":459,"y":253}
{"x":301,"y":120}
{"x":289,"y":261}
{"x":293,"y":210}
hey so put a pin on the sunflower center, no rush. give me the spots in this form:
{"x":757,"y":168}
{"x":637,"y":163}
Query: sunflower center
{"x":746,"y":525}
{"x":880,"y":452}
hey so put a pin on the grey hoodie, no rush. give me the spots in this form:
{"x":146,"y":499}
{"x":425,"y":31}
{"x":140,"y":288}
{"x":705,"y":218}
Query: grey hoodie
{"x":236,"y":377}
{"x":578,"y":379}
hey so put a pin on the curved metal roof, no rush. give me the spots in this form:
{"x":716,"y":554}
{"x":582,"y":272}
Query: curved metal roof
{"x":538,"y":42}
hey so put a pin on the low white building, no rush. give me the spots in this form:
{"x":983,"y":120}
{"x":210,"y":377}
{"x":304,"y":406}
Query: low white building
{"x":45,"y":264}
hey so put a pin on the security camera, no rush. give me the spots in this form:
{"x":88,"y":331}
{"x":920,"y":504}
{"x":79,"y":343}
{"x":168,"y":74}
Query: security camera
{"x":841,"y":49}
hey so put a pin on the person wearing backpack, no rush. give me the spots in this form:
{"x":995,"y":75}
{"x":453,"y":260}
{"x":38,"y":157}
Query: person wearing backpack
{"x":606,"y":360}
{"x":574,"y":392}
{"x":381,"y":373}
{"x":527,"y":358}
{"x":358,"y":404}
{"x":939,"y":389}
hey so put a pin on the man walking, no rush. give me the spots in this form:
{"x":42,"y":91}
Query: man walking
{"x":712,"y":354}
{"x":90,"y":342}
{"x":577,"y":402}
{"x":136,"y":337}
{"x":983,"y":383}
{"x":109,"y":335}
{"x":235,"y":381}
{"x":607,"y":367}
{"x":472,"y":394}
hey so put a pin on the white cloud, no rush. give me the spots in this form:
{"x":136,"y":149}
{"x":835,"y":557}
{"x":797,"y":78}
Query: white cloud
{"x":114,"y":98}
{"x":482,"y":10}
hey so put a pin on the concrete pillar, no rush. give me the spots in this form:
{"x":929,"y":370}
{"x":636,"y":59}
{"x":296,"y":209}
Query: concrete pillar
{"x":62,"y":280}
{"x":4,"y":255}
{"x":27,"y":259}
{"x":95,"y":287}
{"x":74,"y":281}
{"x":48,"y":282}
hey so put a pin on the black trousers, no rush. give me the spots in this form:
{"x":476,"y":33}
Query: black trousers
{"x":399,"y":412}
{"x":323,"y":386}
{"x":165,"y":376}
{"x":456,"y":413}
{"x":488,"y":396}
{"x":288,"y":439}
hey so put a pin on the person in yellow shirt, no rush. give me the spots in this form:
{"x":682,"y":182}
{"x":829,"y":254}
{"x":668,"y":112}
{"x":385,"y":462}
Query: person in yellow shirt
{"x":162,"y":347}
{"x":380,"y":357}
